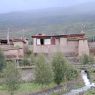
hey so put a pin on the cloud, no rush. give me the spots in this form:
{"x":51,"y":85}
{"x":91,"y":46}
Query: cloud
{"x":16,"y":5}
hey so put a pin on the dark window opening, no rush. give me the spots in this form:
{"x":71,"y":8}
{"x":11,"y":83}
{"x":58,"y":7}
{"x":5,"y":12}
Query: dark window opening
{"x":3,"y":41}
{"x":42,"y":41}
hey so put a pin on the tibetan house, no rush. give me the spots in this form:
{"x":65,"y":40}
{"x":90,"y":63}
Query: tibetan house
{"x":69,"y":45}
{"x":13,"y":49}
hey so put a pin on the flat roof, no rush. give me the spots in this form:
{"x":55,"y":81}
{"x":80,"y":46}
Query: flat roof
{"x":81,"y":35}
{"x":14,"y":40}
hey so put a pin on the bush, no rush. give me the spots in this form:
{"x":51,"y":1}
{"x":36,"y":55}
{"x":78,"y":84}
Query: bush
{"x":62,"y":70}
{"x":85,"y":59}
{"x":91,"y":60}
{"x":28,"y":52}
{"x":43,"y":71}
{"x":33,"y":58}
{"x":25,"y":62}
{"x":71,"y":74}
{"x":11,"y":77}
{"x":2,"y":61}
{"x":59,"y":67}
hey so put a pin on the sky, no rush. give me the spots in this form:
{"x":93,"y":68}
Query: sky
{"x":23,"y":5}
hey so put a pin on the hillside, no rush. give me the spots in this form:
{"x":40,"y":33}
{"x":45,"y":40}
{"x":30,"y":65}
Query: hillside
{"x":50,"y":21}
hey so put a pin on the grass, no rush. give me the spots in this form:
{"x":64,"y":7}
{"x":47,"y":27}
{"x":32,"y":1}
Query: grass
{"x":27,"y":88}
{"x":90,"y":92}
{"x":34,"y":87}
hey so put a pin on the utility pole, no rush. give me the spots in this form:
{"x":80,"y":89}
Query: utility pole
{"x":8,"y":40}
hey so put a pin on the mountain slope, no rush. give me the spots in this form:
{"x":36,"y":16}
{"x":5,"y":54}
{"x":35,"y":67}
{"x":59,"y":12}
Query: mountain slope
{"x":53,"y":20}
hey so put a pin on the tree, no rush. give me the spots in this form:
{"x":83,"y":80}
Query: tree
{"x":11,"y":77}
{"x":2,"y":61}
{"x":85,"y":59}
{"x":43,"y":71}
{"x":59,"y":67}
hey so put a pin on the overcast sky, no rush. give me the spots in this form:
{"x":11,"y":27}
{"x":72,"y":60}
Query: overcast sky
{"x":21,"y":5}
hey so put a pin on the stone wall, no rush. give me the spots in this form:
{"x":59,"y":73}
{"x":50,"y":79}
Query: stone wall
{"x":83,"y":47}
{"x":27,"y":74}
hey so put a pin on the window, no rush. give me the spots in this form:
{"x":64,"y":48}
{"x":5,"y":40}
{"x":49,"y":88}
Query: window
{"x":43,"y":41}
{"x":40,"y":41}
{"x":47,"y":41}
{"x":4,"y":42}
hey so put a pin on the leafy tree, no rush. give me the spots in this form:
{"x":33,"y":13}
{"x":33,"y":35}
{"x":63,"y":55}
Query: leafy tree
{"x":2,"y":61}
{"x":59,"y":67}
{"x":43,"y":71}
{"x":62,"y":70}
{"x":11,"y":77}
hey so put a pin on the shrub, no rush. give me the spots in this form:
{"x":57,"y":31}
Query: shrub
{"x":2,"y":61}
{"x":59,"y":67}
{"x":32,"y":58}
{"x":71,"y":74}
{"x":11,"y":77}
{"x":25,"y":62}
{"x":28,"y":52}
{"x":62,"y":70}
{"x":85,"y":59}
{"x":43,"y":71}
